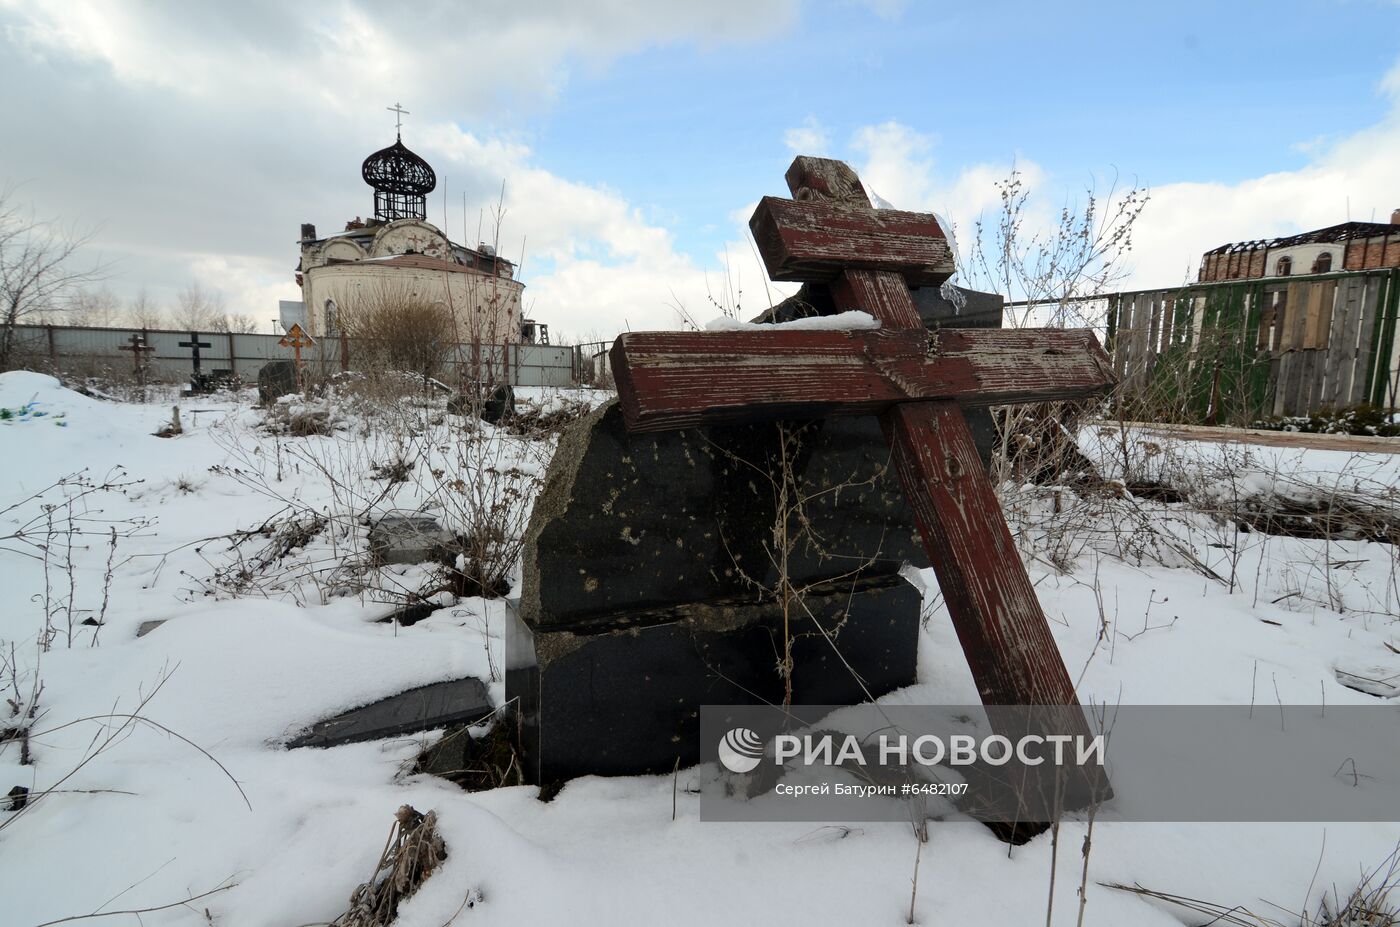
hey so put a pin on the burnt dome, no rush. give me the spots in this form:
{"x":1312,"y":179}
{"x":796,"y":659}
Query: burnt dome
{"x":401,"y":182}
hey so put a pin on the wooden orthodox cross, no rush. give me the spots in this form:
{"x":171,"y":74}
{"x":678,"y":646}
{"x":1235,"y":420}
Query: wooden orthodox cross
{"x":138,"y":347}
{"x":296,"y":338}
{"x":194,"y":344}
{"x":917,"y":383}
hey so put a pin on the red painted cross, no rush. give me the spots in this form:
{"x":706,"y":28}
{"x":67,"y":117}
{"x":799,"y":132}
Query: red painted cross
{"x":917,"y":383}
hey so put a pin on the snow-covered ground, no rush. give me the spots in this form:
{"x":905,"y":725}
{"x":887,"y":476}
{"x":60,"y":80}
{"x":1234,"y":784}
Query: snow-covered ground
{"x":201,"y":794}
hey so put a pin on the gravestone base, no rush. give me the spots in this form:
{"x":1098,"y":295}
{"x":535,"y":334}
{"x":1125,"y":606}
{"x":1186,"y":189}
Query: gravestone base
{"x":626,"y":700}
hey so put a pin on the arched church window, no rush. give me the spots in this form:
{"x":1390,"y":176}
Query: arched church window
{"x":1284,"y":267}
{"x":332,"y":317}
{"x":1323,"y":264}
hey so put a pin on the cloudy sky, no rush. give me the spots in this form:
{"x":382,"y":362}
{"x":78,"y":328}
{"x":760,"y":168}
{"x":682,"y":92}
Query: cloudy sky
{"x":633,"y":138}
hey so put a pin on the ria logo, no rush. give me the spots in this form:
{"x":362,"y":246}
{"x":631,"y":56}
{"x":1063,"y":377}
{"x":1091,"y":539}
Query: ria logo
{"x":740,"y":750}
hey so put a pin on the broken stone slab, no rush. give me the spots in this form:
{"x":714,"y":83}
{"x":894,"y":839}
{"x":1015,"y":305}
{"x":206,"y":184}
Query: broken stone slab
{"x":1370,"y":680}
{"x":146,"y":627}
{"x":631,"y":523}
{"x":626,"y":701}
{"x":408,"y":539}
{"x":440,"y":704}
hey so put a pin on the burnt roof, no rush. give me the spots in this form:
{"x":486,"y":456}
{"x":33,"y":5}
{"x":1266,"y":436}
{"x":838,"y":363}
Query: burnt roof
{"x":1346,"y":231}
{"x":419,"y":261}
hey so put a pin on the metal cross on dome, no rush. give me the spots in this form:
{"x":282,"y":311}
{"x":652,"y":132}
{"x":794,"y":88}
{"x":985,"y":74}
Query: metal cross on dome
{"x":916,"y":381}
{"x":399,"y":112}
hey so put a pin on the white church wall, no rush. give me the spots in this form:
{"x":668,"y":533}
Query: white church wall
{"x":486,"y":308}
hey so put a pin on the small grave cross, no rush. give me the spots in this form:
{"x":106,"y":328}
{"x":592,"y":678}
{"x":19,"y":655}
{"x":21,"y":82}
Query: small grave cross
{"x":296,"y":338}
{"x":917,"y":383}
{"x":194,"y":344}
{"x":138,"y":347}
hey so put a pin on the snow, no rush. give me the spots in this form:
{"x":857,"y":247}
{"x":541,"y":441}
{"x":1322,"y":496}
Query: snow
{"x":152,"y":819}
{"x":851,"y":320}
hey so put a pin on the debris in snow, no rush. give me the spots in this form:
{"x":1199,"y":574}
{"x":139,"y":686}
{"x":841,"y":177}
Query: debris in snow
{"x":174,"y":427}
{"x":408,"y":539}
{"x":28,"y":412}
{"x":415,"y":849}
{"x":1375,"y":681}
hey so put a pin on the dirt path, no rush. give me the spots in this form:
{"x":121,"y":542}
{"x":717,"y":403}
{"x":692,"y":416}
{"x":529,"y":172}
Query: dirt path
{"x":1356,"y":444}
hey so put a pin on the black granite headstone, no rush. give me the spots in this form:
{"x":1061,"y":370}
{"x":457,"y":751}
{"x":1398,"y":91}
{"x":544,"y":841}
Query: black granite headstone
{"x":626,"y":701}
{"x":648,"y":589}
{"x":631,"y":524}
{"x":276,"y":379}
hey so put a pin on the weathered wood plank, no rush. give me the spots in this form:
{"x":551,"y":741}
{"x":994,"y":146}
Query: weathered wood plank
{"x":994,"y":608}
{"x":1153,"y":332}
{"x":811,"y":178}
{"x":671,"y":380}
{"x":1338,"y":349}
{"x":883,"y":294}
{"x":814,"y":241}
{"x":1371,"y":307}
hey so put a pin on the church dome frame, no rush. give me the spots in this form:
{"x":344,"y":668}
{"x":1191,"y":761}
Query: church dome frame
{"x":401,"y":181}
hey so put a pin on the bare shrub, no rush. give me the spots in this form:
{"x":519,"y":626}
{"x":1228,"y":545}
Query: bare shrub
{"x":389,"y":452}
{"x":396,"y":329}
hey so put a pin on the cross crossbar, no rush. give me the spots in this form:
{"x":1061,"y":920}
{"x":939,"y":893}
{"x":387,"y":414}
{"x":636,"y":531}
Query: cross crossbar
{"x":667,"y":380}
{"x":815,"y":241}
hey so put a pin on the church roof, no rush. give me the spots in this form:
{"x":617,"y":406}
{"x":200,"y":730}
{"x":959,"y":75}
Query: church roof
{"x":1346,"y":231}
{"x":416,"y":261}
{"x":397,"y":170}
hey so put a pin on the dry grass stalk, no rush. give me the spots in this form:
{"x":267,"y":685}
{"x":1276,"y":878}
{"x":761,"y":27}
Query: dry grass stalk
{"x":1369,"y":904}
{"x":413,"y":851}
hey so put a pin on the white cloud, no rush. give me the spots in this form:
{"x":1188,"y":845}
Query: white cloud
{"x":1182,"y":220}
{"x":346,"y":53}
{"x":1359,"y":172}
{"x":609,"y":268}
{"x":810,"y":138}
{"x":231,"y":122}
{"x":897,"y":163}
{"x":887,"y":9}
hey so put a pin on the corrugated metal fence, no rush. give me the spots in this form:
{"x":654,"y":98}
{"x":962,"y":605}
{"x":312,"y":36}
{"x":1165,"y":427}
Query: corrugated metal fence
{"x":1247,"y":349}
{"x":79,"y":351}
